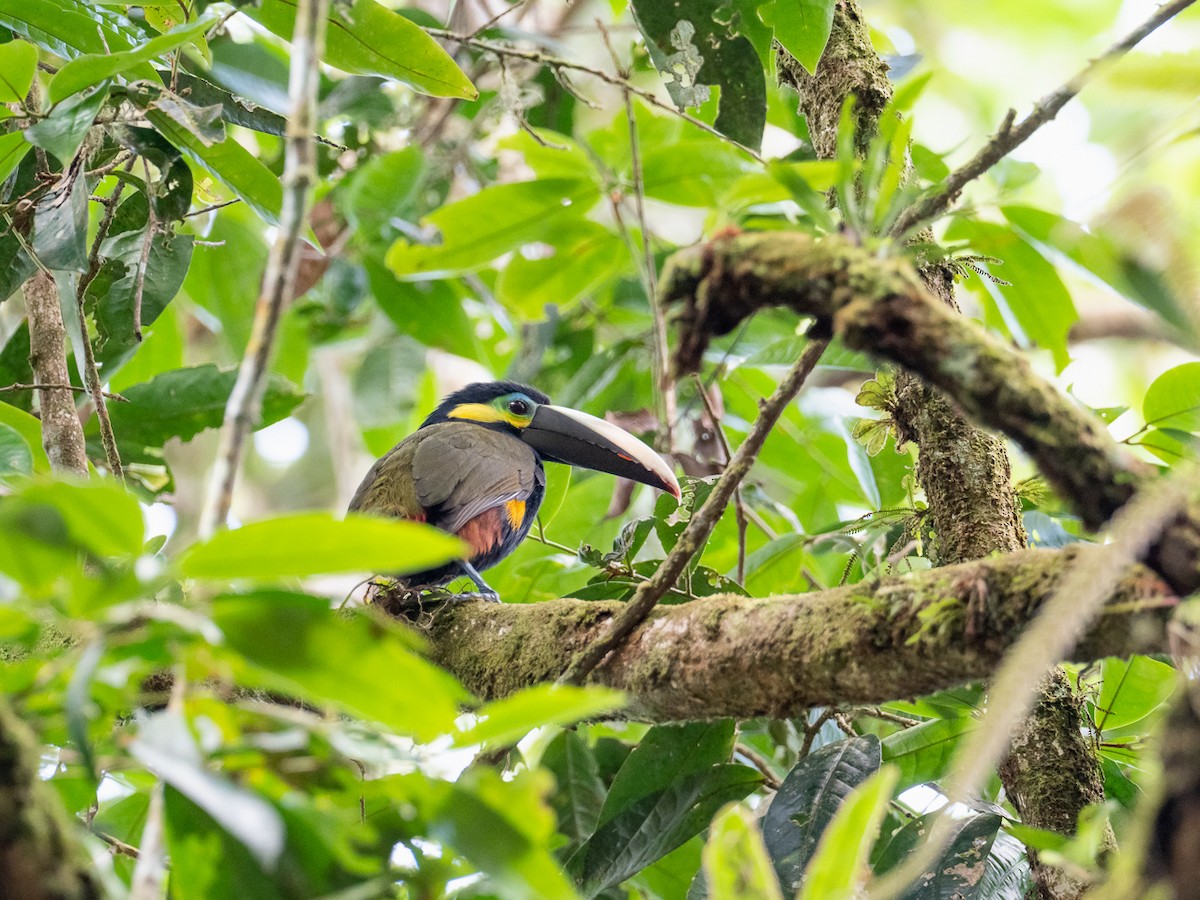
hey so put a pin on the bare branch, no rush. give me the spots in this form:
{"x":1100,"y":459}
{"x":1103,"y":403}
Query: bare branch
{"x":1010,"y":136}
{"x":79,"y":389}
{"x":702,"y":522}
{"x":299,"y":177}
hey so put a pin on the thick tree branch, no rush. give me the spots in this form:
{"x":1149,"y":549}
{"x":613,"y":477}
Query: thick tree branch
{"x":299,"y":177}
{"x":740,"y":657}
{"x":1010,"y":136}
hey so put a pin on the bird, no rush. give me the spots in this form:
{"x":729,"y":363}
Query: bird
{"x":474,"y":469}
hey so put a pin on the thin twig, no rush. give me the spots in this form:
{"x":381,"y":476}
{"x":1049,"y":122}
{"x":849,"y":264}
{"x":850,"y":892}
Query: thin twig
{"x":739,"y":507}
{"x":299,"y":177}
{"x":557,"y":63}
{"x":1010,"y":136}
{"x":211,"y":208}
{"x":811,"y":730}
{"x":1049,"y":637}
{"x":770,"y":779}
{"x":90,"y":373}
{"x":119,"y":846}
{"x":541,"y":538}
{"x":702,"y":522}
{"x":13,"y":388}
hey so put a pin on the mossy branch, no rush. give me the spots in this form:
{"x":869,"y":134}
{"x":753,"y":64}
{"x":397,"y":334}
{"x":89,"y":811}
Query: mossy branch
{"x":735,"y":656}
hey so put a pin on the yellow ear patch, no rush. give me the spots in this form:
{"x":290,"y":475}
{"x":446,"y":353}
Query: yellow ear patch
{"x":481,"y":412}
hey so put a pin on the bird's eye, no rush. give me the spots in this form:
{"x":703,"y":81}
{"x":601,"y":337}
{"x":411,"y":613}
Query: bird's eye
{"x":518,"y":407}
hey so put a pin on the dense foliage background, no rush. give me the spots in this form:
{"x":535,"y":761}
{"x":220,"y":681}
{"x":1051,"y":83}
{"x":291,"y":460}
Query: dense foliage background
{"x":500,"y":206}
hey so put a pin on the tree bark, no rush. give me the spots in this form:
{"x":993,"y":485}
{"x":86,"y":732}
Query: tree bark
{"x":875,"y":641}
{"x":39,"y":859}
{"x":62,"y":434}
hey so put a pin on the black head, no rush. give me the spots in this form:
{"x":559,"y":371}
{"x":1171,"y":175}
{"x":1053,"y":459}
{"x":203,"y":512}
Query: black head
{"x":503,"y":405}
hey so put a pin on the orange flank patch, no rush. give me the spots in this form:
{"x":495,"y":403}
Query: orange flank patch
{"x":483,"y":532}
{"x":516,"y":512}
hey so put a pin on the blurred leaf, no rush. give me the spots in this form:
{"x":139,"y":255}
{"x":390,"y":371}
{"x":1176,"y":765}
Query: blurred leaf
{"x":585,"y":256}
{"x":1173,"y":400}
{"x":839,"y":865}
{"x":691,"y":172}
{"x":801,"y":27}
{"x":694,"y":48}
{"x":16,"y":458}
{"x":509,"y":719}
{"x":30,"y":429}
{"x":580,"y":792}
{"x":1132,"y":689}
{"x":13,"y":148}
{"x":665,"y":754}
{"x":99,"y":515}
{"x":166,"y":746}
{"x":84,"y":71}
{"x":1037,"y":300}
{"x":808,"y":800}
{"x":379,"y":190}
{"x":63,"y":131}
{"x":365,"y":38}
{"x":18,"y":61}
{"x":500,"y":218}
{"x":298,"y":646}
{"x":316,"y":543}
{"x":1045,"y":531}
{"x":923,"y":752}
{"x":658,"y":823}
{"x":184,"y":402}
{"x":736,"y":864}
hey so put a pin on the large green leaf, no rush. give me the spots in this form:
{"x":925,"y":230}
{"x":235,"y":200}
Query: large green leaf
{"x":665,"y":754}
{"x":801,"y":26}
{"x":1131,"y":690}
{"x":18,"y":60}
{"x":695,"y":46}
{"x":585,"y":256}
{"x":366,"y":38}
{"x":184,"y":402}
{"x":839,"y":866}
{"x":508,"y":720}
{"x":98,"y":516}
{"x":60,"y":223}
{"x":316,"y":543}
{"x":1173,"y":399}
{"x":808,"y":800}
{"x":580,"y":792}
{"x":923,"y":753}
{"x":299,"y":646}
{"x":227,"y":161}
{"x":84,"y":71}
{"x":13,"y":148}
{"x":69,"y":28}
{"x":1037,"y":301}
{"x":477,"y":229}
{"x":960,"y":871}
{"x":62,"y":132}
{"x":656,"y":824}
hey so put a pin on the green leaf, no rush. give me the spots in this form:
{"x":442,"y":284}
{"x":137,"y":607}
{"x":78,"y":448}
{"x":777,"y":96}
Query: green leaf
{"x":498,"y":219}
{"x":801,"y":26}
{"x":839,"y":866}
{"x":234,"y":109}
{"x":580,"y":792}
{"x":692,"y":172}
{"x":363,"y":665}
{"x":657,"y":824}
{"x":380,"y":189}
{"x":1037,"y":301}
{"x":60,"y":223}
{"x":183,"y":402}
{"x":84,"y":71}
{"x":365,"y":38}
{"x":1131,"y":690}
{"x":229,"y":162}
{"x":69,"y":28}
{"x":98,"y":515}
{"x":30,"y":429}
{"x":1173,"y":400}
{"x":16,"y":458}
{"x":165,"y":745}
{"x":62,"y":132}
{"x":694,"y":49}
{"x":808,"y":800}
{"x":923,"y":753}
{"x":735,"y":859}
{"x":960,"y":872}
{"x":18,"y":62}
{"x":13,"y":148}
{"x":665,"y":754}
{"x":508,"y":720}
{"x":316,"y":543}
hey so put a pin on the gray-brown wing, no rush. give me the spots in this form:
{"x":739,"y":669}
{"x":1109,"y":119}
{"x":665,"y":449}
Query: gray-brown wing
{"x":460,"y":470}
